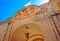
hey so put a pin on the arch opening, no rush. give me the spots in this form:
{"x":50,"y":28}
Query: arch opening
{"x":27,"y":32}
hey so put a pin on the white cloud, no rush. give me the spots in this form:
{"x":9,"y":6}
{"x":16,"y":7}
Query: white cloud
{"x":36,"y":2}
{"x":29,"y":3}
{"x":44,"y":1}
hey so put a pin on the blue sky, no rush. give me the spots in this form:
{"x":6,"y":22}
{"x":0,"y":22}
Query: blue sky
{"x":8,"y":8}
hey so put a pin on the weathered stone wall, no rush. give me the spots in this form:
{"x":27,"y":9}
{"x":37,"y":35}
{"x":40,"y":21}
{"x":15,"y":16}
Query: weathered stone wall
{"x":43,"y":19}
{"x":44,"y":23}
{"x":56,"y":4}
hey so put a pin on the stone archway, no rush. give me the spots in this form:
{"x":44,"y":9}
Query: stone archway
{"x":27,"y":32}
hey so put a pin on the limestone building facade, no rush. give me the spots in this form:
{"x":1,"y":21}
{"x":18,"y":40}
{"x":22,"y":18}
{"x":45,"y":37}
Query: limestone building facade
{"x":33,"y":23}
